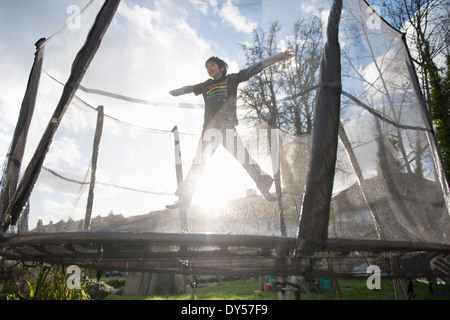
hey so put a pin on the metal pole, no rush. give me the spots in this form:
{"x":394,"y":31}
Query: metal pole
{"x":79,"y":67}
{"x":15,"y":155}
{"x":313,"y":229}
{"x":97,"y":138}
{"x":274,"y":144}
{"x":179,"y":170}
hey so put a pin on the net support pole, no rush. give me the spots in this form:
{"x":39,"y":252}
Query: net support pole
{"x":313,"y":227}
{"x":179,"y":171}
{"x":97,"y":138}
{"x":274,"y":144}
{"x":79,"y":67}
{"x":183,"y":216}
{"x":17,"y":148}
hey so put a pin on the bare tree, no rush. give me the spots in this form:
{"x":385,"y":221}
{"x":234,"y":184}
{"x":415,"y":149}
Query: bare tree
{"x":427,"y":27}
{"x":261,"y":92}
{"x":306,"y":42}
{"x":282,"y":94}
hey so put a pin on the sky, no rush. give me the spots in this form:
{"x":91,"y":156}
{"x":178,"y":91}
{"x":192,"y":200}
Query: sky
{"x":22,"y":23}
{"x":183,"y":35}
{"x":150,"y":48}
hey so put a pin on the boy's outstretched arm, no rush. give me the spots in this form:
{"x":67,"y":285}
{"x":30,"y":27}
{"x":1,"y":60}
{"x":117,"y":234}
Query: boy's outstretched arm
{"x":260,"y":66}
{"x":183,"y":90}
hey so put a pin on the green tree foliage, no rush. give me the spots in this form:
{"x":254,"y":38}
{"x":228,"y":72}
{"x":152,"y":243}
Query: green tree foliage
{"x":440,"y":113}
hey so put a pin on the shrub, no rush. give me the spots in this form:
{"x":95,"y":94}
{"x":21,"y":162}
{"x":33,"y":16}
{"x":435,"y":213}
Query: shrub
{"x":49,"y":284}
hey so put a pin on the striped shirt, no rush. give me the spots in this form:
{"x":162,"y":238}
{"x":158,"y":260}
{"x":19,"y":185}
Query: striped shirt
{"x":220,"y":95}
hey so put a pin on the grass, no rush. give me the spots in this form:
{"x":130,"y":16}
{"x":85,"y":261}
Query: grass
{"x":234,"y":290}
{"x":249,"y":289}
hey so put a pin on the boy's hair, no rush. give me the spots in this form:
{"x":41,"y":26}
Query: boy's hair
{"x":220,"y":63}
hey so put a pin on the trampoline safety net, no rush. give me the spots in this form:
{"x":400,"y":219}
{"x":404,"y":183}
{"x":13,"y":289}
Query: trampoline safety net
{"x":122,"y":144}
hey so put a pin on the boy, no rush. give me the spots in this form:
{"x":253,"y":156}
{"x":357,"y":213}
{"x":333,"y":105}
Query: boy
{"x":220,"y":119}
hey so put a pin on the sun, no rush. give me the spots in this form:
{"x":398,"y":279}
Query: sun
{"x":223,"y":179}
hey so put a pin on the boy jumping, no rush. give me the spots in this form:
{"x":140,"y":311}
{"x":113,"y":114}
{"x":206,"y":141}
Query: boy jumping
{"x":220,"y":119}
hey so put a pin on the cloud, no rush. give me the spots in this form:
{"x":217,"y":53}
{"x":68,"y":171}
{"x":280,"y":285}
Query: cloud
{"x":203,"y":5}
{"x":145,"y":52}
{"x":148,"y":52}
{"x":229,"y":13}
{"x":59,"y":211}
{"x":22,"y":23}
{"x":65,"y":153}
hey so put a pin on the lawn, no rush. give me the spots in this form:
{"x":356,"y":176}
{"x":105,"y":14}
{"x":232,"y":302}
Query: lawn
{"x":250,"y":289}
